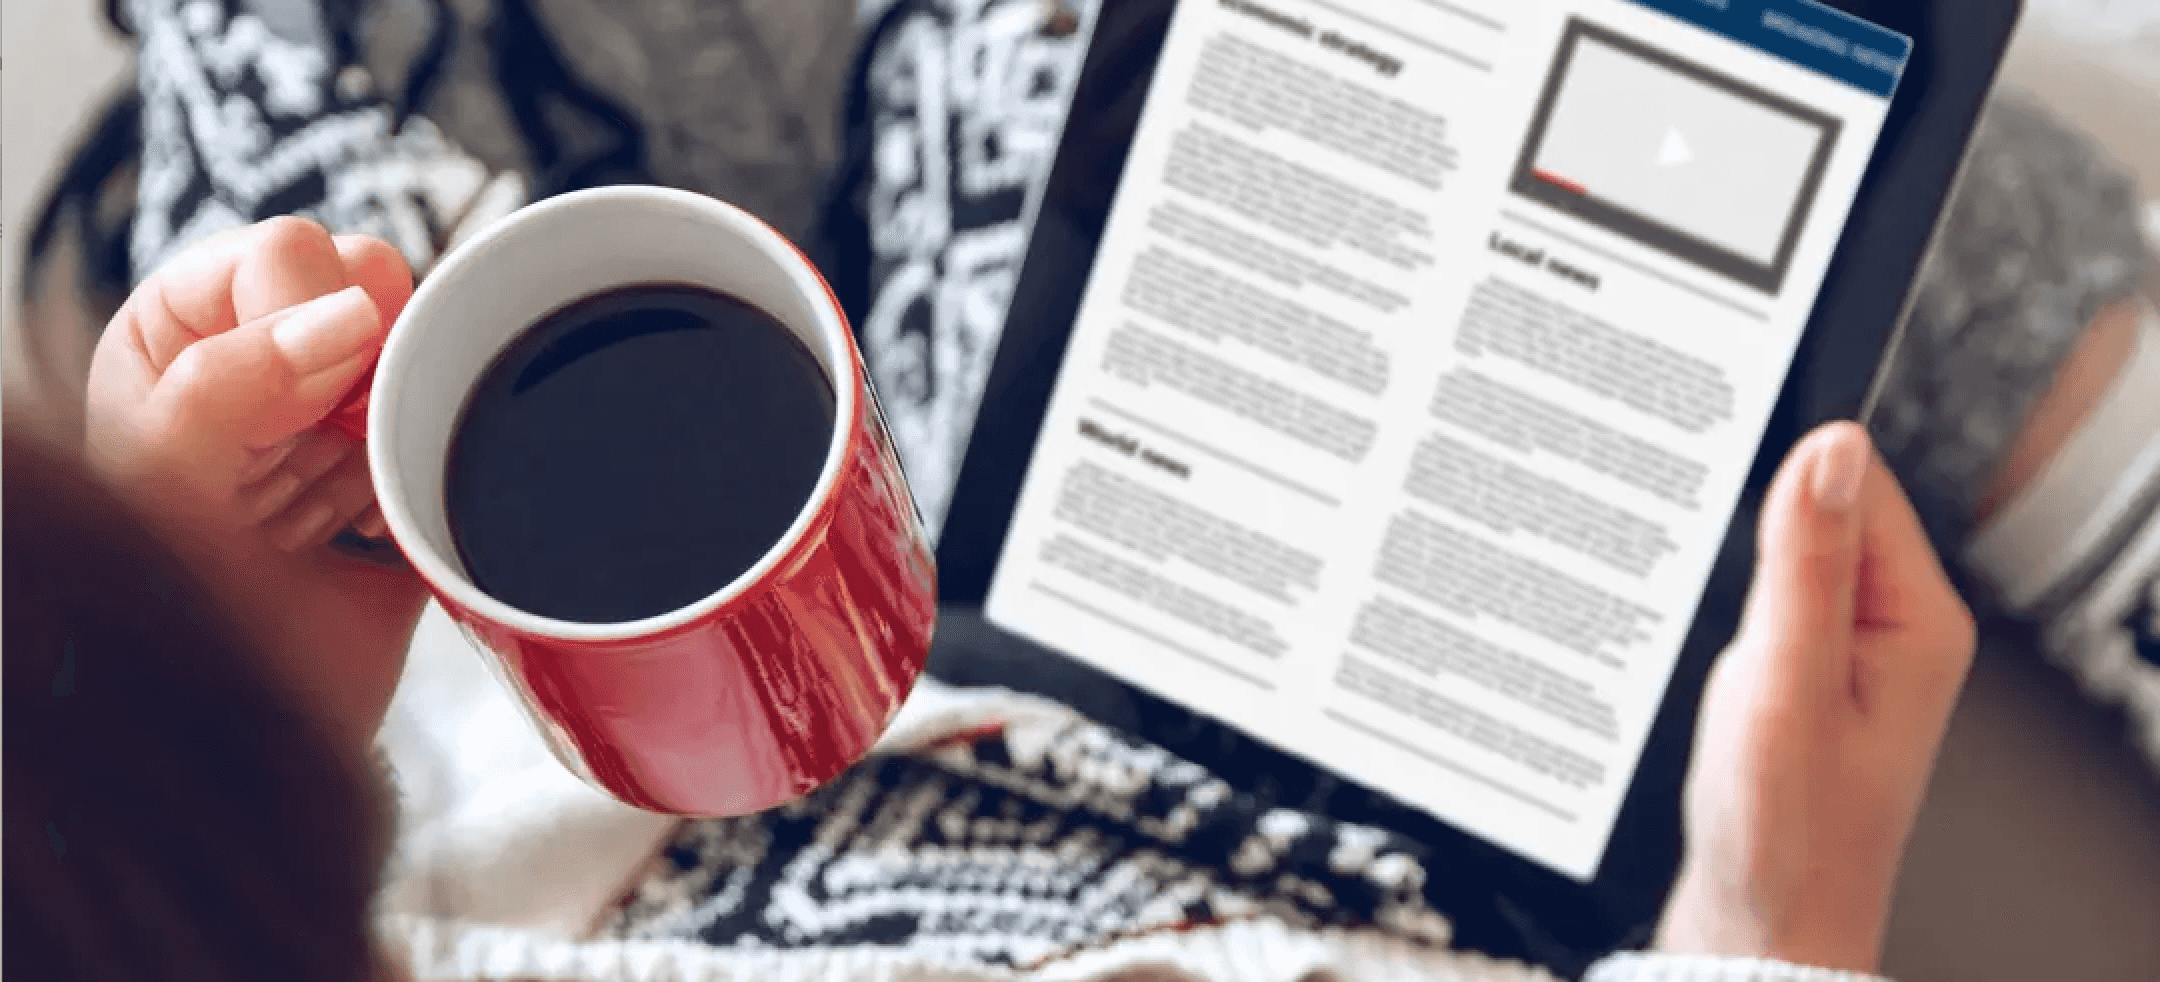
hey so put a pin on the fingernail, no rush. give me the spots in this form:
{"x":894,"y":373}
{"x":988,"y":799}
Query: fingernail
{"x":327,"y":331}
{"x":305,"y":531}
{"x":1841,"y":465}
{"x":374,"y":525}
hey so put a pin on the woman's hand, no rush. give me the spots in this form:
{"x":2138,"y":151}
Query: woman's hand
{"x":204,"y":398}
{"x":1821,"y":722}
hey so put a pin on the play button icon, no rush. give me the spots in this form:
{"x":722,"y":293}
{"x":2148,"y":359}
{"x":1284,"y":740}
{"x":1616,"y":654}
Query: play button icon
{"x":1675,"y":150}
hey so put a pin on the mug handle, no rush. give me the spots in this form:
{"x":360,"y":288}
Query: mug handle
{"x":351,"y":419}
{"x":351,"y":415}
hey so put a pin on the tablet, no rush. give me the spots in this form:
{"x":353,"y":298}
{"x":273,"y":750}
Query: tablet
{"x":1388,"y":389}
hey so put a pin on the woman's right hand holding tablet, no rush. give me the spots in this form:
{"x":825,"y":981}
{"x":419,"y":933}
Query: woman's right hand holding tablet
{"x":1821,"y":722}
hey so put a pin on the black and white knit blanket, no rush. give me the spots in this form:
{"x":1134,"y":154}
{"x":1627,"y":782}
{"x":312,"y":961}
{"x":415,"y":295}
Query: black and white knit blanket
{"x":1021,"y":847}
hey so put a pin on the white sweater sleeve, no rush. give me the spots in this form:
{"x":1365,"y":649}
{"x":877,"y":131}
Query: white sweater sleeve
{"x":1634,"y":967}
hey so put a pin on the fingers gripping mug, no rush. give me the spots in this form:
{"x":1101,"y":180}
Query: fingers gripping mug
{"x":752,"y":694}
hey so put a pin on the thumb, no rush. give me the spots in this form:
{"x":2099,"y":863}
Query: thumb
{"x":267,"y":380}
{"x":1799,"y":614}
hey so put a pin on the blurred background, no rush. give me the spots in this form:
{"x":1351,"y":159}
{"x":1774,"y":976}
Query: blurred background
{"x":58,"y":63}
{"x":2038,"y":856}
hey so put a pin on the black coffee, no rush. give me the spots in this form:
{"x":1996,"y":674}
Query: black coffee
{"x":635,"y":452}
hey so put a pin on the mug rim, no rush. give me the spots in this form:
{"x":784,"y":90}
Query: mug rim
{"x":402,"y":346}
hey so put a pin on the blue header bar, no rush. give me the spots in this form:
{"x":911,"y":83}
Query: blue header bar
{"x":1805,"y":33}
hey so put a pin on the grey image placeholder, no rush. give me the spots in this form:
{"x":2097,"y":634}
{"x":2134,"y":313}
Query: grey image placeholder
{"x":1710,"y":169}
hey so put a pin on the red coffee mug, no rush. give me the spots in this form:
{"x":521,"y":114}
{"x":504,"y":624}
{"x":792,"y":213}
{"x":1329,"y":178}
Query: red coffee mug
{"x":756,"y":694}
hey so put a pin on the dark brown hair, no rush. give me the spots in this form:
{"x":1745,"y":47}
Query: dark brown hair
{"x":170,"y":813}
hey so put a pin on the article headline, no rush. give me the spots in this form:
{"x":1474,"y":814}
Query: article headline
{"x":1387,"y":65}
{"x":1538,"y":257}
{"x":1131,"y":447}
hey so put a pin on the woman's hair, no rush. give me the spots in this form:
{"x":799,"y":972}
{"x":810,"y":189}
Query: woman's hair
{"x":170,"y":813}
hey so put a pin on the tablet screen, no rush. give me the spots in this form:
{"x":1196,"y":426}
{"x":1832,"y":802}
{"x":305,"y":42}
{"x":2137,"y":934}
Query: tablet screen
{"x":1424,"y":358}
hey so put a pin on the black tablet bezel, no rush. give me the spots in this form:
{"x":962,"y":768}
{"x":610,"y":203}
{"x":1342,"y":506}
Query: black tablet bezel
{"x":1499,"y":902}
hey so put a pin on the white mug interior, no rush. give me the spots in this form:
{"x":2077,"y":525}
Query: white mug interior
{"x":487,"y":292}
